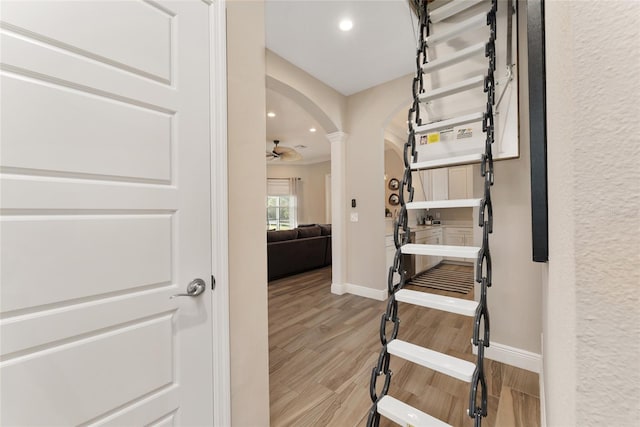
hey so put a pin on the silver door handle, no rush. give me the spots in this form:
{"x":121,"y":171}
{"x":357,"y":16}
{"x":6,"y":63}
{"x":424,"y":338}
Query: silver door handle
{"x":195,"y":288}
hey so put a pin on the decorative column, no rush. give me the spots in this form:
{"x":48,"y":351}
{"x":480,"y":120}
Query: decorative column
{"x":338,"y":212}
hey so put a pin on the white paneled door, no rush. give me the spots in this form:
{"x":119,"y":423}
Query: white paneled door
{"x":105,"y":202}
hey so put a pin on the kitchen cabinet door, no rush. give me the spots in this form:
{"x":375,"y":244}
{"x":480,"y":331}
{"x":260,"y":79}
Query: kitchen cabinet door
{"x":460,"y":182}
{"x":426,"y":185}
{"x":468,"y":241}
{"x":435,"y":185}
{"x":458,"y":236}
{"x":421,"y":261}
{"x":390,"y":251}
{"x":432,"y":236}
{"x":432,"y":261}
{"x":440,"y":184}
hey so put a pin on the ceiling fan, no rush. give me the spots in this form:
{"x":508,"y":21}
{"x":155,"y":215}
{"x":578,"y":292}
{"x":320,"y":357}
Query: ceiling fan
{"x":285,"y":154}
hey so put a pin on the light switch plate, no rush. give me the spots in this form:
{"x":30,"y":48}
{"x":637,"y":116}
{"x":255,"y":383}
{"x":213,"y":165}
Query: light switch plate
{"x":354,"y":216}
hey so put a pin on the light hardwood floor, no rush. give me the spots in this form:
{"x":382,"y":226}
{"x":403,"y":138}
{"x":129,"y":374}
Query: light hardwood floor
{"x":322,"y":348}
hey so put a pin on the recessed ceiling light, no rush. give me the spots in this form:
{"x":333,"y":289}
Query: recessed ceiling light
{"x":312,"y":130}
{"x":271,"y":114}
{"x":346,"y":25}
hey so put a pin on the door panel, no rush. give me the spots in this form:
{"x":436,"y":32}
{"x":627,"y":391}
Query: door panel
{"x":105,"y":200}
{"x":112,"y":143}
{"x":142,"y":364}
{"x":133,"y":35}
{"x":139,"y":245}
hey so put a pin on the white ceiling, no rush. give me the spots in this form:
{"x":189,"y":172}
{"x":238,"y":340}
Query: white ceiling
{"x":291,"y":126}
{"x":379,"y":48}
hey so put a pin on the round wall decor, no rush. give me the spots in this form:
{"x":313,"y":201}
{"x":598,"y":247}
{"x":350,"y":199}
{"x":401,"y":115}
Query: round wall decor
{"x":394,"y":184}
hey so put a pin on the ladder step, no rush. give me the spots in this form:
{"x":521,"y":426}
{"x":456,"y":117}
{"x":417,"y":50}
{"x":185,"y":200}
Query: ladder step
{"x":447,"y":162}
{"x":405,"y":415}
{"x":448,"y":365}
{"x":445,"y":124}
{"x":443,"y":204}
{"x":478,"y":21}
{"x":457,"y":87}
{"x":450,"y":9}
{"x":441,"y":250}
{"x":439,"y":302}
{"x":459,"y":56}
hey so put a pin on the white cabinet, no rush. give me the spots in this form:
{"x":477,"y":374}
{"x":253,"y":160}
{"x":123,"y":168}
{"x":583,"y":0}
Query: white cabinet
{"x":458,"y":236}
{"x":432,"y":261}
{"x":440,"y":184}
{"x":448,"y":183}
{"x":390,"y":251}
{"x":435,"y":184}
{"x":421,"y":260}
{"x":460,"y":182}
{"x":427,"y":186}
{"x":430,"y":236}
{"x":390,"y":254}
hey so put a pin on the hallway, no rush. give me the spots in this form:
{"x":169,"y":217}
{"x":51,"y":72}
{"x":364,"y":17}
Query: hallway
{"x":322,"y":348}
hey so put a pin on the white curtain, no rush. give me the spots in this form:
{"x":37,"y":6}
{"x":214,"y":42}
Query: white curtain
{"x":278,"y":187}
{"x":294,"y":195}
{"x":286,"y":187}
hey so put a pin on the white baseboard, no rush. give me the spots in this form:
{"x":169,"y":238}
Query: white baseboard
{"x":513,"y":356}
{"x":543,"y":405}
{"x":363,"y":291}
{"x":338,"y":288}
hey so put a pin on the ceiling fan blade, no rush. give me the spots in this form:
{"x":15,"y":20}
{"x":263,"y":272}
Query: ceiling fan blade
{"x":285,"y":154}
{"x":290,"y":156}
{"x":281,"y":150}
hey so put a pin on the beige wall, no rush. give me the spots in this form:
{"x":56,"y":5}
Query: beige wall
{"x":515,"y":300}
{"x":311,"y":191}
{"x":247,"y":192}
{"x":592,"y":316}
{"x":367,"y":115}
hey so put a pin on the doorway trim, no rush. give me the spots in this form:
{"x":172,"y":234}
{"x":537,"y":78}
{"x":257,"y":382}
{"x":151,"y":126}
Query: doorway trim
{"x":221,"y":360}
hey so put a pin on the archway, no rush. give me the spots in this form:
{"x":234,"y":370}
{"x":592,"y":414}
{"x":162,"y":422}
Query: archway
{"x":337,"y":139}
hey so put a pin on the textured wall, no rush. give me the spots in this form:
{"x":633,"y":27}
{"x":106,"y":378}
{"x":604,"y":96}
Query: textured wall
{"x":247,"y":192}
{"x":592,"y":315}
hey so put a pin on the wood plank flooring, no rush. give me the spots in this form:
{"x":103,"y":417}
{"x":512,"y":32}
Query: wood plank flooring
{"x":322,"y":348}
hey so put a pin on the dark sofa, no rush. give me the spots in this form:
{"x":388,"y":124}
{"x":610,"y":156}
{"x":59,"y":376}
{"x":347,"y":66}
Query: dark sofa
{"x":295,"y":251}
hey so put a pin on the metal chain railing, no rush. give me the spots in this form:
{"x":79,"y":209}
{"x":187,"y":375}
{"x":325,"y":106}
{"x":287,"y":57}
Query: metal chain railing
{"x":397,"y":273}
{"x":478,"y":410}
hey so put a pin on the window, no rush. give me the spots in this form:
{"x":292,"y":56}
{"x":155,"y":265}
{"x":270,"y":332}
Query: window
{"x":281,"y":204}
{"x":279,"y":215}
